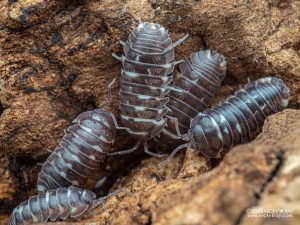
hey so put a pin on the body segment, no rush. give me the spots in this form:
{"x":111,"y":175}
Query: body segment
{"x":80,"y":152}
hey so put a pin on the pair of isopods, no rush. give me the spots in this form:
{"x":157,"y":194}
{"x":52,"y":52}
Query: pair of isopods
{"x":83,"y":147}
{"x":156,"y":103}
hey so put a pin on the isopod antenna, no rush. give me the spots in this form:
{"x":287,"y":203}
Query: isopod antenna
{"x":102,"y":200}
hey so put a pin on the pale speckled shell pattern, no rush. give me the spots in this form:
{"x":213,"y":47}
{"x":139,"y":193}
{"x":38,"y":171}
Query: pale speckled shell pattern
{"x":61,"y":203}
{"x":147,"y":71}
{"x":79,"y":154}
{"x":199,"y":77}
{"x":239,"y":118}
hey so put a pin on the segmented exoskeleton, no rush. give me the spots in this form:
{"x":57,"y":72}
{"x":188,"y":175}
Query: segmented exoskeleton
{"x":199,"y":77}
{"x":78,"y":155}
{"x":236,"y":120}
{"x":61,"y":203}
{"x":147,"y":70}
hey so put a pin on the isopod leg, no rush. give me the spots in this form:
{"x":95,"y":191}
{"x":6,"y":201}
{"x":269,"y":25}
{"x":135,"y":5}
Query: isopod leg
{"x":140,"y":20}
{"x":178,"y":42}
{"x":117,"y":57}
{"x":178,"y":62}
{"x":116,"y":123}
{"x":174,"y":120}
{"x":174,"y":153}
{"x":122,"y":43}
{"x":134,"y":148}
{"x":110,"y":85}
{"x":146,"y":150}
{"x":102,"y":200}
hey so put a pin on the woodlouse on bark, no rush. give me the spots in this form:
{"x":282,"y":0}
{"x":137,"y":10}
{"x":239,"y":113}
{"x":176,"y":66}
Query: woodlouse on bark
{"x":147,"y":72}
{"x":199,"y":77}
{"x":236,"y":120}
{"x":61,"y":203}
{"x":79,"y":154}
{"x":81,"y":150}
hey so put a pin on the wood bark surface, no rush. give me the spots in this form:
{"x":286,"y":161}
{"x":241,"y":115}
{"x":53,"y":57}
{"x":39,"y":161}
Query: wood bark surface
{"x":55,"y":62}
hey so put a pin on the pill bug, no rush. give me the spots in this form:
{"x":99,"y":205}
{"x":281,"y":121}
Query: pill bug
{"x":236,"y":120}
{"x":80,"y":151}
{"x":199,"y":77}
{"x":148,"y":65}
{"x":61,"y":203}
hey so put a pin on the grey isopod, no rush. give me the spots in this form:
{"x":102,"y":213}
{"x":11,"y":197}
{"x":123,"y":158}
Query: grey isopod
{"x":236,"y":120}
{"x":81,"y":150}
{"x":193,"y":86}
{"x":61,"y":203}
{"x":83,"y":147}
{"x":147,"y":72}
